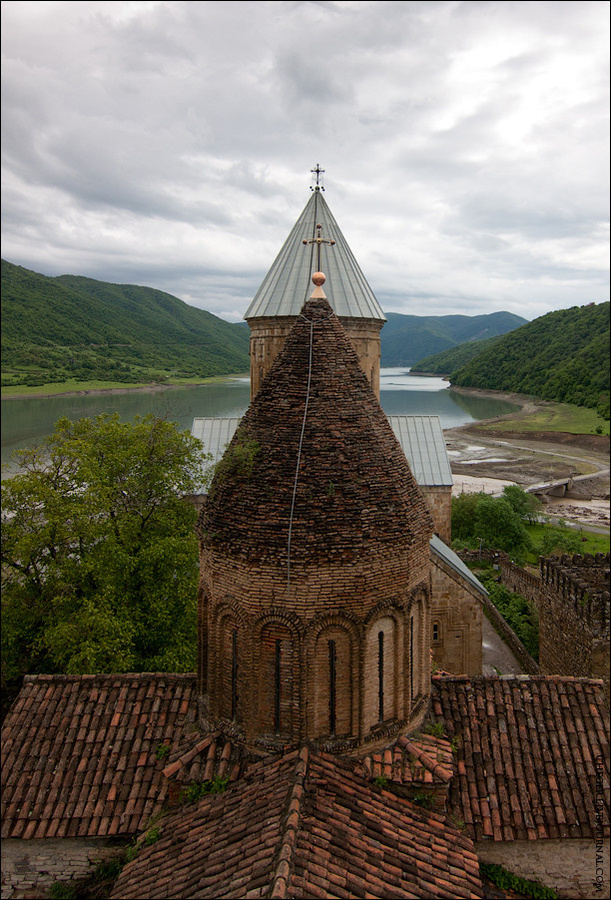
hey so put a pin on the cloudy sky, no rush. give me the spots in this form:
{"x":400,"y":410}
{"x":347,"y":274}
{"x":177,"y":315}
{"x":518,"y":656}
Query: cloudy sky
{"x":465,"y":145}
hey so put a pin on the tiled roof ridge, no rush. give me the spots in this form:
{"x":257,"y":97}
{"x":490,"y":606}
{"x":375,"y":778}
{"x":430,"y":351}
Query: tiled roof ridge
{"x":112,"y":676}
{"x":482,"y":679}
{"x":281,"y":872}
{"x":437,"y":769}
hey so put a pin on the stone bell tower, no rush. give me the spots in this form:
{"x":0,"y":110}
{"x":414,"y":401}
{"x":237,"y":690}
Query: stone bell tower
{"x":315,"y":596}
{"x":285,"y":288}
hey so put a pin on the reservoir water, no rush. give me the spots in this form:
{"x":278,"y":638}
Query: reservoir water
{"x":27,"y":422}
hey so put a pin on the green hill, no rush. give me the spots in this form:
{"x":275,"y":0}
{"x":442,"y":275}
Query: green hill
{"x":408,"y":339}
{"x":69,"y":327}
{"x":562,"y":356}
{"x":449,"y":361}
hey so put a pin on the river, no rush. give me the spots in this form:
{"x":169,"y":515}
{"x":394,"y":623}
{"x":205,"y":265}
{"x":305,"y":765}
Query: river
{"x":26,"y":422}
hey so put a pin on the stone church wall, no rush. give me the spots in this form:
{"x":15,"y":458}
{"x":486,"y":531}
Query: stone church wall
{"x":30,"y":867}
{"x":573,"y":867}
{"x":269,"y":333}
{"x":439,"y":502}
{"x":456,"y":622}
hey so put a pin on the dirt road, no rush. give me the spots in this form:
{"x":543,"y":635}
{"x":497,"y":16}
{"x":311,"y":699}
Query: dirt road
{"x":482,"y":459}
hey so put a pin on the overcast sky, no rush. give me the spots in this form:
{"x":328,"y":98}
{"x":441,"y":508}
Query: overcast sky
{"x":169,"y":144}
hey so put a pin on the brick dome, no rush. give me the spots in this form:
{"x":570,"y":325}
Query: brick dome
{"x":314,"y":590}
{"x":354,"y":490}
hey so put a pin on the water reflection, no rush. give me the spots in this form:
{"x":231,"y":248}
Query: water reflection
{"x":25,"y":422}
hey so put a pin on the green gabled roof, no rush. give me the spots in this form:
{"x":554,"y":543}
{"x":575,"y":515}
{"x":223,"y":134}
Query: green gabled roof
{"x":288,"y":283}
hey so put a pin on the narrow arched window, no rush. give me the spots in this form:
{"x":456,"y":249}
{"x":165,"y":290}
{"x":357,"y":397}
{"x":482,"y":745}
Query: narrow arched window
{"x":277,"y":685}
{"x":380,"y":676}
{"x":332,"y":688}
{"x":436,"y":632}
{"x":234,"y":673}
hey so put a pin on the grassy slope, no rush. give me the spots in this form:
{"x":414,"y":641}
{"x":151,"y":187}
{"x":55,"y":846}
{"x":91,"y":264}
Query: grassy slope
{"x":55,"y":329}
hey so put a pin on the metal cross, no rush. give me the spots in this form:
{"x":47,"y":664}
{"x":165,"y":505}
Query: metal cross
{"x":318,"y":172}
{"x":318,"y":240}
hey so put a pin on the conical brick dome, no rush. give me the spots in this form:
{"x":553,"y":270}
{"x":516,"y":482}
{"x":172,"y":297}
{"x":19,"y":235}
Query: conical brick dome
{"x":328,"y":480}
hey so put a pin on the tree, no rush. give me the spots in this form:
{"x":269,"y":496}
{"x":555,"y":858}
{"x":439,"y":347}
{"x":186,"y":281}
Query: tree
{"x":526,"y":505}
{"x":499,"y":526}
{"x":99,"y":553}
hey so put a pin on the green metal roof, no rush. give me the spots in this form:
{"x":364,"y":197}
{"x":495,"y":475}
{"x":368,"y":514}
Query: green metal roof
{"x":421,"y":438}
{"x":288,"y":283}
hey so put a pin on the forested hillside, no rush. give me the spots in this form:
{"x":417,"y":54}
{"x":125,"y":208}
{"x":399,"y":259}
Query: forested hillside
{"x":450,"y":360}
{"x":69,"y":327}
{"x":407,"y":339}
{"x":561,"y":356}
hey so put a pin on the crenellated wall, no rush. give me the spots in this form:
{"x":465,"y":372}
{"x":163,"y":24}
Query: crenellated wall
{"x":574,"y":616}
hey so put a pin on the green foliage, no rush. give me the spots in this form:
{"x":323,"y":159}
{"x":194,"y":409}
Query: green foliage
{"x":517,"y":612}
{"x":99,"y":554}
{"x":557,"y":539}
{"x":54,"y":329}
{"x":407,"y":339}
{"x":436,"y":729}
{"x":564,"y":540}
{"x":507,"y":881}
{"x":562,"y":356}
{"x":198,"y":789}
{"x":423,"y":799}
{"x":62,"y":890}
{"x":238,"y":460}
{"x":526,"y":505}
{"x":449,"y":361}
{"x":482,"y":520}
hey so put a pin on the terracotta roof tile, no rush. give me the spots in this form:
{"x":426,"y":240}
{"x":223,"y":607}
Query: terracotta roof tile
{"x":531,"y":745}
{"x":303,"y":825}
{"x":80,"y":753}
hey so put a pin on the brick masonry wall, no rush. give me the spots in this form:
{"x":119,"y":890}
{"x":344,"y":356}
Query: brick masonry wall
{"x":29,"y":868}
{"x":267,"y":337}
{"x":575,"y":869}
{"x":457,"y":612}
{"x":439,"y":502}
{"x":574,"y":602}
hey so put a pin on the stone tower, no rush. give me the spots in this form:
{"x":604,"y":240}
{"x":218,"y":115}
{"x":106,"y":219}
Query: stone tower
{"x":315,"y":586}
{"x":286,"y":287}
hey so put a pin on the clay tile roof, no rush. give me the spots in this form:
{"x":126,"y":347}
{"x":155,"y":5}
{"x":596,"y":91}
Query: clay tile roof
{"x":85,"y":755}
{"x":532,"y":758}
{"x":303,"y":826}
{"x":421,"y":759}
{"x":355,"y":489}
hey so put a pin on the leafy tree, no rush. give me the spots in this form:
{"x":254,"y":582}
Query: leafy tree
{"x":526,"y":505}
{"x":99,"y":553}
{"x":479,"y":519}
{"x":463,"y":516}
{"x":497,"y":523}
{"x":559,"y":540}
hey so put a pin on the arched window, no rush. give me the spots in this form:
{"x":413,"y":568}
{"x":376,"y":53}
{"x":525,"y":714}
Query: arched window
{"x":276,"y":680}
{"x":380,"y":672}
{"x":228,"y":674}
{"x":436,"y":631}
{"x":332,"y":683}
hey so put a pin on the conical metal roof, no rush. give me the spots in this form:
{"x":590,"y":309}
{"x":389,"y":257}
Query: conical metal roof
{"x":287,"y":285}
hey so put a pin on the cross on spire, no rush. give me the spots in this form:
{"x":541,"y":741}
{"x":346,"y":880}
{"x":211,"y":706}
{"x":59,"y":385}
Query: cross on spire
{"x":318,"y":172}
{"x":318,"y":240}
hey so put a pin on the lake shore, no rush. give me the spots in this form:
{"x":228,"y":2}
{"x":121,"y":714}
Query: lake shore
{"x":151,"y":388}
